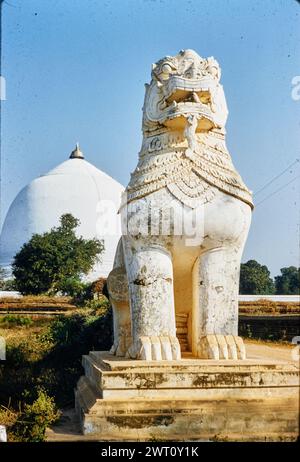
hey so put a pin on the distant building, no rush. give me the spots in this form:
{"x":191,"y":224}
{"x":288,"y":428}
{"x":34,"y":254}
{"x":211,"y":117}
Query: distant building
{"x":74,"y":186}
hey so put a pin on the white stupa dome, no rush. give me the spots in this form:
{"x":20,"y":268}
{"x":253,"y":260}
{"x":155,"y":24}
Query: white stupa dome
{"x":77,"y":187}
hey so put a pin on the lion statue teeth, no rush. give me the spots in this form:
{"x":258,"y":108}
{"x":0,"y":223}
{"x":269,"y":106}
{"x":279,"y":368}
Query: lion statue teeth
{"x":185,"y":213}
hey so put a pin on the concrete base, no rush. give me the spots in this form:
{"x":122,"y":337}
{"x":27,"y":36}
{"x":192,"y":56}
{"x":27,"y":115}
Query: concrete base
{"x":188,"y":400}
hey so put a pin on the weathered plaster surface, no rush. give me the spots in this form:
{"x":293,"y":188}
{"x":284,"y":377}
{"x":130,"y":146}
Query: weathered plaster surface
{"x":190,"y":399}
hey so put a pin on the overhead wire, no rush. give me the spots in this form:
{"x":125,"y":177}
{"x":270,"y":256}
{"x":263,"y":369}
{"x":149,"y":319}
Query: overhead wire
{"x":276,"y":177}
{"x":277,"y":190}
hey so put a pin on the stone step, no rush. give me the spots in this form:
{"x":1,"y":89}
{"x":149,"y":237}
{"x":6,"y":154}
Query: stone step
{"x":176,"y":380}
{"x":253,"y":413}
{"x":181,"y":330}
{"x":108,"y":362}
{"x":184,"y":348}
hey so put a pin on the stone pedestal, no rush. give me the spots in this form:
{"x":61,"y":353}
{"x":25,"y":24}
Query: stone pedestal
{"x":187,"y":400}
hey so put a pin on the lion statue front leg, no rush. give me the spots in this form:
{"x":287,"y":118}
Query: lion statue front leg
{"x":216,"y":280}
{"x":216,"y":312}
{"x":150,"y":284}
{"x":142,"y":299}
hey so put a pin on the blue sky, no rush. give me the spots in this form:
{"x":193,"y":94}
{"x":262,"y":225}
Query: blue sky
{"x":75,"y":71}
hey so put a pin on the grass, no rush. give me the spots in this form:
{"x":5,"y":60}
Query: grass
{"x":46,"y":352}
{"x":279,"y":343}
{"x":9,"y":417}
{"x":11,"y":320}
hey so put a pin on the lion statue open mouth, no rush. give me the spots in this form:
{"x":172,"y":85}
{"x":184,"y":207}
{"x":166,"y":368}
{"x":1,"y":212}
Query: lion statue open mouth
{"x":183,"y":86}
{"x":184,"y":174}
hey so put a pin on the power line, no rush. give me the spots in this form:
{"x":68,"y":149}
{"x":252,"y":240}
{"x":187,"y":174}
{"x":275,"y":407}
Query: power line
{"x":276,"y":177}
{"x":277,"y":190}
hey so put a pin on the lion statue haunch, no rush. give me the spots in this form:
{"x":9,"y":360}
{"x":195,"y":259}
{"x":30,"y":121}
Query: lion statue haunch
{"x":185,"y":215}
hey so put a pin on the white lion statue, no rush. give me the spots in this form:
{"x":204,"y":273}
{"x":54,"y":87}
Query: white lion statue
{"x":185,"y":214}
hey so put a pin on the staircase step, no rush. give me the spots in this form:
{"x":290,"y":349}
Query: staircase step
{"x":182,"y":326}
{"x":184,"y":347}
{"x":181,"y":330}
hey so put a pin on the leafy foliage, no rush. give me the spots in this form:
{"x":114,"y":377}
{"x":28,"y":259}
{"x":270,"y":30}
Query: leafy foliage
{"x":255,"y":279}
{"x":55,"y":261}
{"x":8,"y":418}
{"x":99,"y":304}
{"x":80,"y":291}
{"x":35,"y":418}
{"x":288,"y":283}
{"x":50,"y":355}
{"x":11,"y":320}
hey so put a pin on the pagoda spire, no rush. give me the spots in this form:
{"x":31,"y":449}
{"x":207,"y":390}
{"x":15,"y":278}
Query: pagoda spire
{"x":76,"y":153}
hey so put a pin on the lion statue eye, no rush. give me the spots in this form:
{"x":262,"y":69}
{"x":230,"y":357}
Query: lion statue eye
{"x":166,"y":69}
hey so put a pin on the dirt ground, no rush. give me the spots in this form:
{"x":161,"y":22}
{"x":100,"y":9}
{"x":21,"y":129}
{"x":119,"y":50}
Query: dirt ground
{"x":278,"y":351}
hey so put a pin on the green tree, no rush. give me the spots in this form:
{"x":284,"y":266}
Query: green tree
{"x":288,"y":283}
{"x":45,"y":262}
{"x":255,"y":279}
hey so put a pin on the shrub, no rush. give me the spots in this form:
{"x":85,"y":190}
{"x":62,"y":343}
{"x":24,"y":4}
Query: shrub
{"x":99,"y":305}
{"x":50,"y":357}
{"x":17,"y":354}
{"x":12,"y":320}
{"x":8,"y":418}
{"x":78,"y":290}
{"x":64,"y":330}
{"x":35,"y":418}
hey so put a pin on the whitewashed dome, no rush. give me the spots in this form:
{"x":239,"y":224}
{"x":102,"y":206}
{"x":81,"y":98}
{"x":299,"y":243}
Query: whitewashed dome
{"x":77,"y":187}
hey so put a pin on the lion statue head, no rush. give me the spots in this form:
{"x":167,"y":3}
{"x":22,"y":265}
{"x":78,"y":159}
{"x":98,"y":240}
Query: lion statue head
{"x":182,"y":86}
